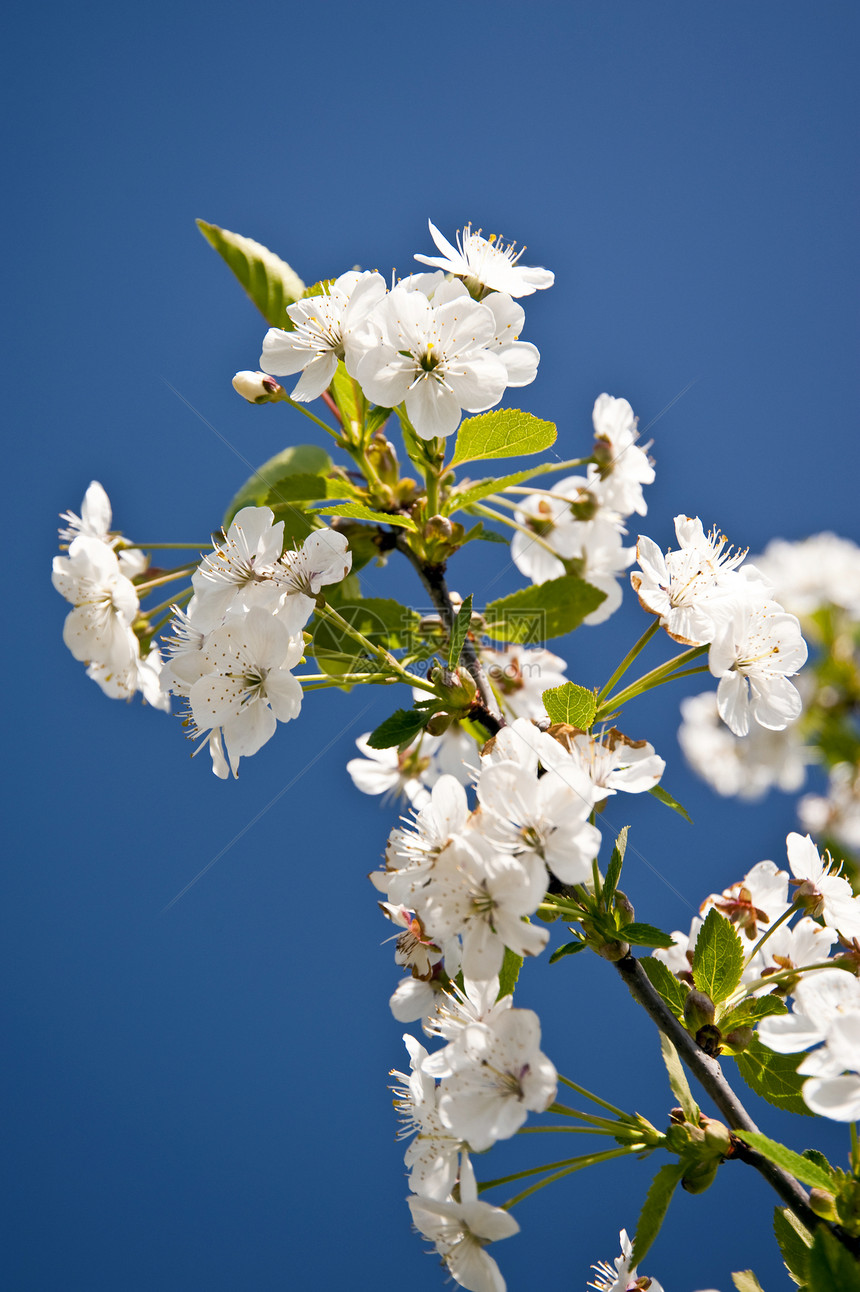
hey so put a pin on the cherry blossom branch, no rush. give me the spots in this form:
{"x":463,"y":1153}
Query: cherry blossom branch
{"x":487,"y":712}
{"x":709,"y":1074}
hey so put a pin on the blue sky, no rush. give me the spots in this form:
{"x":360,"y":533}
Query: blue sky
{"x":196,"y":1097}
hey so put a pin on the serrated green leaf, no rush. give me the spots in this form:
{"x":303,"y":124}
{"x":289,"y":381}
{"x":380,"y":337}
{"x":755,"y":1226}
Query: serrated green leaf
{"x":663,"y":796}
{"x":831,"y":1268}
{"x":718,"y":959}
{"x":645,"y":935}
{"x":751,"y":1011}
{"x":269,"y":281}
{"x":376,"y":418}
{"x":802,"y":1168}
{"x":773,"y":1076}
{"x":654,"y":1208}
{"x":794,"y":1241}
{"x":474,"y":491}
{"x":546,"y":610}
{"x":505,"y":433}
{"x":571,"y":703}
{"x":358,"y":511}
{"x":480,"y":531}
{"x":350,"y":400}
{"x":678,"y":1080}
{"x":460,"y":631}
{"x":815,"y":1155}
{"x":746,"y":1281}
{"x":664,"y":982}
{"x":616,"y":861}
{"x":300,"y":459}
{"x":569,"y":949}
{"x":401,"y":728}
{"x":509,"y":973}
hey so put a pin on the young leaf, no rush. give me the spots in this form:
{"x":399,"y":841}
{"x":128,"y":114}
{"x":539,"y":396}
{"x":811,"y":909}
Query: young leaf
{"x":358,"y":511}
{"x":664,"y":982}
{"x":831,"y":1268}
{"x":262,"y":488}
{"x":474,"y":491}
{"x":645,"y":935}
{"x":510,"y":972}
{"x":546,"y":610}
{"x":297,"y":488}
{"x":402,"y":727}
{"x":794,"y":1241}
{"x":718,"y":959}
{"x":663,"y":796}
{"x":773,"y":1076}
{"x":801,"y":1167}
{"x":655,"y":1207}
{"x":269,"y":281}
{"x":616,"y":861}
{"x":751,"y":1011}
{"x":678,"y":1080}
{"x":746,"y":1281}
{"x":505,"y":433}
{"x":488,"y":535}
{"x":569,"y":949}
{"x":460,"y":631}
{"x":571,"y":703}
{"x":349,"y":399}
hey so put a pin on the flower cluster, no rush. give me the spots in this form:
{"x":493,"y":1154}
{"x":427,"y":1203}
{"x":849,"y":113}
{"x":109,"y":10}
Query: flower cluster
{"x":233,"y":650}
{"x":99,"y":578}
{"x":436,"y":345}
{"x":578,"y":525}
{"x":702,"y":597}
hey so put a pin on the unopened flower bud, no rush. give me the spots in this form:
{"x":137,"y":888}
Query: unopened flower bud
{"x":823,"y":1204}
{"x":698,"y":1010}
{"x":613,"y":951}
{"x":438,"y":527}
{"x":624,"y":907}
{"x":740,"y":1038}
{"x":585,"y":507}
{"x":700,"y":1177}
{"x":383,"y":455}
{"x":709,"y":1039}
{"x":717,"y":1135}
{"x":439,"y":723}
{"x":257,"y":387}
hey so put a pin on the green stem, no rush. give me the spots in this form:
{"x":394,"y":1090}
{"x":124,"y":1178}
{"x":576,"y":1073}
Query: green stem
{"x":564,"y":1111}
{"x":530,"y":1170}
{"x":595,"y":1099}
{"x":656,"y":677}
{"x":565,"y":1130}
{"x":764,"y":937}
{"x":388,"y":659}
{"x":512,"y":524}
{"x":167,"y":547}
{"x":185,"y":595}
{"x":855,"y":1150}
{"x":302,"y":408}
{"x":182,"y":572}
{"x":773,"y":978}
{"x":319,"y":681}
{"x":578,"y":1165}
{"x":628,"y":659}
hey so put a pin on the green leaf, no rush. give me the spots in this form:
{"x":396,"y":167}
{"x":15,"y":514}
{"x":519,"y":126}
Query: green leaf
{"x":814,"y":1155}
{"x":664,"y":982}
{"x":832,"y":1268}
{"x":746,"y":1281}
{"x":773,"y":1076}
{"x":571,"y":703}
{"x":718,"y":959}
{"x":794,"y":1241}
{"x":488,"y":535}
{"x":350,"y":400}
{"x":297,"y":488}
{"x":358,"y":511}
{"x":460,"y":631}
{"x":546,"y":610}
{"x":269,"y":281}
{"x":505,"y":433}
{"x":655,"y":1207}
{"x":300,"y":459}
{"x":645,"y":935}
{"x":678,"y":1080}
{"x":569,"y":949}
{"x":801,"y":1167}
{"x":401,"y":728}
{"x":751,"y":1011}
{"x":616,"y":861}
{"x":663,"y":796}
{"x":510,"y":972}
{"x":473,"y":491}
{"x":381,"y":620}
{"x":376,"y":418}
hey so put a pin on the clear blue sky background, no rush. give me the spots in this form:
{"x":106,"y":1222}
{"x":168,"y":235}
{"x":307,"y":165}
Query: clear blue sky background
{"x":195,"y":1100}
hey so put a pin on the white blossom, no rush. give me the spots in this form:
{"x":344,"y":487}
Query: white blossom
{"x":819,"y":998}
{"x":837,"y":813}
{"x":256,"y":387}
{"x":240,"y":570}
{"x":486,"y":264}
{"x":621,"y":1276}
{"x":754,"y":652}
{"x":822,"y":889}
{"x":744,"y":767}
{"x":833,"y":1088}
{"x":461,"y":1230}
{"x":612,"y":761}
{"x":439,"y":359}
{"x":818,"y":571}
{"x":98,"y":629}
{"x":326,"y":328}
{"x":433,"y":1152}
{"x":94,"y":520}
{"x":624,"y":467}
{"x":144,"y":674}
